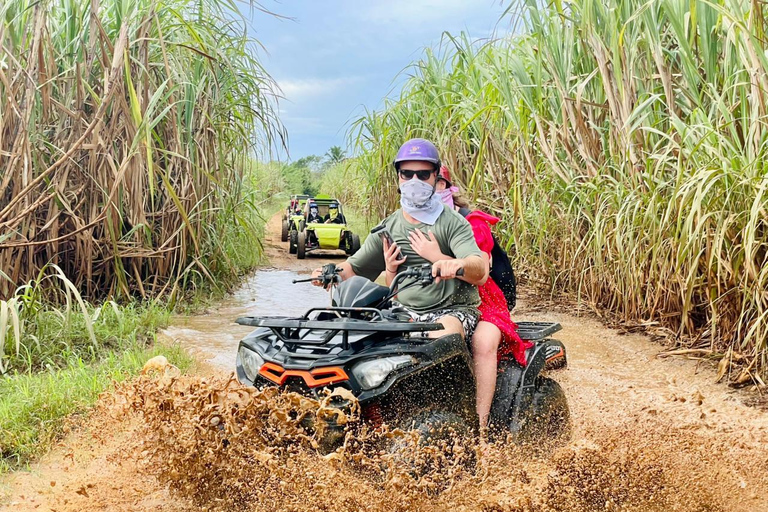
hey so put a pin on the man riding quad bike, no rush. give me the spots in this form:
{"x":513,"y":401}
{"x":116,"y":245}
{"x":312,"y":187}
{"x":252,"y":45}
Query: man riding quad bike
{"x":294,"y":214}
{"x":325,"y":228}
{"x":369,"y":345}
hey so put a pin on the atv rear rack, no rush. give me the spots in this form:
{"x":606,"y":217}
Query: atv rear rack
{"x":534,"y":331}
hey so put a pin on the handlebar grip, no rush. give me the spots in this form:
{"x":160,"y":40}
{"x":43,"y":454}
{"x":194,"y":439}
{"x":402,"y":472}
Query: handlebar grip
{"x":459,"y":273}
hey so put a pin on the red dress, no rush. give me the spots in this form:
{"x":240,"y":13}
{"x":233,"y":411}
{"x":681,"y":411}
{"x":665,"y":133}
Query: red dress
{"x":493,"y":306}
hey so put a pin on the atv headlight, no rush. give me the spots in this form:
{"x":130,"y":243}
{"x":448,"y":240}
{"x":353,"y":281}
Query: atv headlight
{"x":251,"y":361}
{"x":373,"y":372}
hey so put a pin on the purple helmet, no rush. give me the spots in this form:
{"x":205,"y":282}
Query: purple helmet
{"x":417,"y":149}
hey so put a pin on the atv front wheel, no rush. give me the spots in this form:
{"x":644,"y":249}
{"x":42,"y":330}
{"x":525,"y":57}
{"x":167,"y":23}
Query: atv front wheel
{"x":284,"y":232}
{"x":354,"y":244}
{"x":294,"y":242}
{"x":302,"y":245}
{"x":444,"y":430}
{"x":432,"y":426}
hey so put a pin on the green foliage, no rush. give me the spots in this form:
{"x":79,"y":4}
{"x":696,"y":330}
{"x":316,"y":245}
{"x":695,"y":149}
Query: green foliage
{"x":623,"y":145}
{"x":345,"y":181}
{"x":335,"y":155}
{"x":299,"y":177}
{"x":147,"y":113}
{"x":33,"y":406}
{"x":44,"y":336}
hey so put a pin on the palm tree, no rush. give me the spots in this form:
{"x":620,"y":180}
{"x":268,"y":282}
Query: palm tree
{"x":335,"y":155}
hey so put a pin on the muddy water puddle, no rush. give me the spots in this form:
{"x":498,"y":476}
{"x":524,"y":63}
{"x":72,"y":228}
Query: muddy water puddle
{"x":214,"y":336}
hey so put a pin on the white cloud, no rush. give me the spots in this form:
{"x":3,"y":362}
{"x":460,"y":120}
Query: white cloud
{"x":302,"y":88}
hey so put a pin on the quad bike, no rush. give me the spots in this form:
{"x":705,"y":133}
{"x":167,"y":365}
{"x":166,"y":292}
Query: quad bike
{"x":369,"y":346}
{"x":312,"y":236}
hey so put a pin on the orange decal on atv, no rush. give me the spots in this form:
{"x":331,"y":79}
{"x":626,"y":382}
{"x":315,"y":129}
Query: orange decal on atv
{"x":560,"y":353}
{"x":313,"y":378}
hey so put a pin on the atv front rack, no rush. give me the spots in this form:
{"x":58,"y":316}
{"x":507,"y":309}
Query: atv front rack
{"x":295,"y":330}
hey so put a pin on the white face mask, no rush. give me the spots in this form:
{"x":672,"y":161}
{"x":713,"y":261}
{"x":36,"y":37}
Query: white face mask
{"x":419,"y":200}
{"x":417,"y":192}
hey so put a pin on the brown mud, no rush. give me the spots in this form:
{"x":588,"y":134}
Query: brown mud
{"x":650,"y":433}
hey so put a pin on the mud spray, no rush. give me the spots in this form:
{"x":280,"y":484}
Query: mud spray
{"x":650,"y":435}
{"x":221,"y":446}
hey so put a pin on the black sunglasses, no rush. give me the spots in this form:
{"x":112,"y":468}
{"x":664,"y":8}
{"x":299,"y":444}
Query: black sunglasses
{"x":408,"y":175}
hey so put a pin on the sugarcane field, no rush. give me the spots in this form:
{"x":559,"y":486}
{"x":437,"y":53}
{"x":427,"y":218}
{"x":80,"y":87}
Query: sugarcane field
{"x":427,"y":255}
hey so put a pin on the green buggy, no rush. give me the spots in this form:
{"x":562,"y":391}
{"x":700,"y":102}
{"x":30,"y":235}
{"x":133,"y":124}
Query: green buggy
{"x":319,"y":234}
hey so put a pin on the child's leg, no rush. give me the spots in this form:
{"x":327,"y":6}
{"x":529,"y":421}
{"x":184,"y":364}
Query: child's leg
{"x":485,"y":343}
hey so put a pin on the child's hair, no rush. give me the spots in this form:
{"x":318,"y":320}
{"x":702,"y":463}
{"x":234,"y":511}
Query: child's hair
{"x":460,"y":201}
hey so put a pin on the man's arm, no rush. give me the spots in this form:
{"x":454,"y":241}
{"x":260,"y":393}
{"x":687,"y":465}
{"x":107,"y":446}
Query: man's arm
{"x":476,"y":269}
{"x":468,"y":255}
{"x":346,"y":270}
{"x":368,"y":262}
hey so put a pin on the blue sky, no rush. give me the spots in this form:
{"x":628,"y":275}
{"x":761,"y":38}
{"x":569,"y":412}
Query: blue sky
{"x":336,"y":56}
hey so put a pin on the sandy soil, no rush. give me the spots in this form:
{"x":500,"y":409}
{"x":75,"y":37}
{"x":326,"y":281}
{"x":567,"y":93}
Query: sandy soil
{"x":624,"y":399}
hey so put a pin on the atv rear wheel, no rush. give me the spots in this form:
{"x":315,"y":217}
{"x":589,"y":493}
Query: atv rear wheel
{"x":294,"y":242}
{"x":549,"y":416}
{"x":284,"y":232}
{"x":302,"y":245}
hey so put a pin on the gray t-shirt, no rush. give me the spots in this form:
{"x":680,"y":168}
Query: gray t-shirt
{"x":455,"y":237}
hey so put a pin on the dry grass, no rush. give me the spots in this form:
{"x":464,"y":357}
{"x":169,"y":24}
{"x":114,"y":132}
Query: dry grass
{"x":124,"y":133}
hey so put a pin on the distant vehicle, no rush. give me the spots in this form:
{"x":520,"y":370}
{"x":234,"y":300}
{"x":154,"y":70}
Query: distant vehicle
{"x":321,"y":235}
{"x":292,"y":217}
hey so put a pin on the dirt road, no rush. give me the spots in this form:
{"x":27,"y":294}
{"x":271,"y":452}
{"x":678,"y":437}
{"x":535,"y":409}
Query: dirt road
{"x":646,"y":428}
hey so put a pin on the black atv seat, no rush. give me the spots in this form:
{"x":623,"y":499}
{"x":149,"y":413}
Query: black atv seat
{"x":534,"y":331}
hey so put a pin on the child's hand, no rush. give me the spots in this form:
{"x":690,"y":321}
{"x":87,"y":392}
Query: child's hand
{"x":426,"y":246}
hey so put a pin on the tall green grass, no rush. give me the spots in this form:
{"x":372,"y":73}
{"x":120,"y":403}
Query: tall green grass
{"x":126,"y":129}
{"x":623,"y":143}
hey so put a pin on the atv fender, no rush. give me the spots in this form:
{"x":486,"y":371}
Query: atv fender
{"x":521,"y":392}
{"x":524,"y":396}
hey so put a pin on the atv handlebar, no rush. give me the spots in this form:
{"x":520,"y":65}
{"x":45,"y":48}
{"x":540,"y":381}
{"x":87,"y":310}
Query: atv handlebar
{"x":422,"y":274}
{"x":329,"y":275}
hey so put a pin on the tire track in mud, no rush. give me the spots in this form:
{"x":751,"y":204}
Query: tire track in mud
{"x":649,"y":434}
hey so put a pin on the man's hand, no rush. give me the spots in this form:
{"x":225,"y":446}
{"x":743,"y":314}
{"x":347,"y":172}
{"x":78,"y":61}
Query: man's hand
{"x":392,"y":257}
{"x":344,"y":272}
{"x":426,"y":246}
{"x":315,"y":275}
{"x":446,"y":269}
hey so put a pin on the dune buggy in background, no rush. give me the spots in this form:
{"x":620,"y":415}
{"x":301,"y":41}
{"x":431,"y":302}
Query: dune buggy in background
{"x":292,"y":219}
{"x":369,"y":346}
{"x":318,"y":235}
